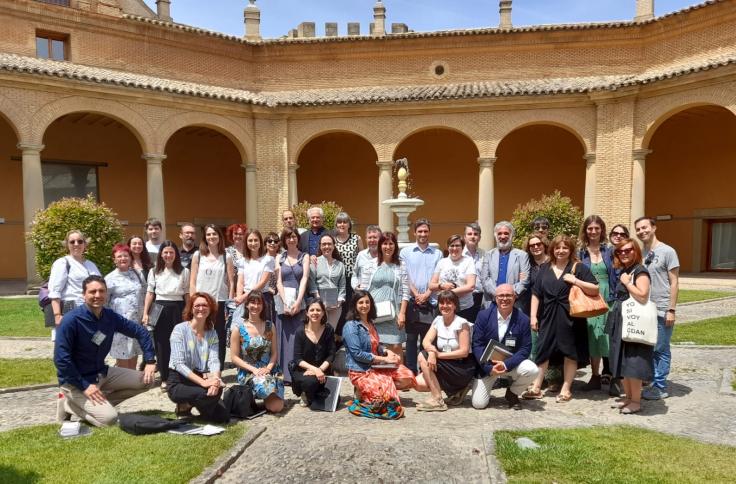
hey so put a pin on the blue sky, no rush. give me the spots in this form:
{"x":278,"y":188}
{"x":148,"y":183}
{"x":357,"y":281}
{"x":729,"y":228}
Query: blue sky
{"x":278,"y":16}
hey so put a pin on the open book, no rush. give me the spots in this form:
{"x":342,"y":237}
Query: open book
{"x":495,"y":351}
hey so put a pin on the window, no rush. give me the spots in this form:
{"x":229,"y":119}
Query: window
{"x":68,"y":180}
{"x":722,"y":245}
{"x":52,"y":46}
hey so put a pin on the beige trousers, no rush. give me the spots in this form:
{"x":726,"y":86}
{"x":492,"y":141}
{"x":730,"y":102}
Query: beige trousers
{"x":119,"y":384}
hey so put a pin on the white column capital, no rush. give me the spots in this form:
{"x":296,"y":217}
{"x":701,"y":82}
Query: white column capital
{"x":385,"y":165}
{"x":249,"y":167}
{"x":30,"y":147}
{"x":640,"y":155}
{"x":589,"y":158}
{"x":293,"y":167}
{"x":487,"y":162}
{"x":153,"y":158}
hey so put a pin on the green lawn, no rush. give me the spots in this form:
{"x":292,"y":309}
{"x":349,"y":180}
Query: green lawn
{"x":23,"y":372}
{"x":613,"y":454}
{"x":691,"y":295}
{"x":717,"y":331}
{"x":21,"y":317}
{"x":109,"y":455}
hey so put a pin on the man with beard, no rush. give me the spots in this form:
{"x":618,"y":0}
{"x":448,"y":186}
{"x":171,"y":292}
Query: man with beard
{"x":504,"y":265}
{"x":187,"y":234}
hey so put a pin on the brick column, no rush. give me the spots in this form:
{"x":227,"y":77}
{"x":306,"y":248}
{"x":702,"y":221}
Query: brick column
{"x":385,"y":192}
{"x":293,"y":189}
{"x":638,"y":180}
{"x":486,"y":208}
{"x":155,"y":188}
{"x":251,"y":195}
{"x":32,"y":200}
{"x":590,"y":183}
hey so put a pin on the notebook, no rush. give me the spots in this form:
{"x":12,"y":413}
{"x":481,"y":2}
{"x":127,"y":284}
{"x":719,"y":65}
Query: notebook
{"x":495,"y":351}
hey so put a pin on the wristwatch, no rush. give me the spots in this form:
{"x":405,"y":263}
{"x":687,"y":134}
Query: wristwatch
{"x":150,"y":362}
{"x":671,"y":311}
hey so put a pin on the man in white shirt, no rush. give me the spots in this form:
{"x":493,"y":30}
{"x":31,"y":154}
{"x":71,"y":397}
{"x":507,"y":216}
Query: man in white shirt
{"x":289,"y":221}
{"x":365,"y":261}
{"x":153,"y":234}
{"x":506,"y":324}
{"x":472,"y":238}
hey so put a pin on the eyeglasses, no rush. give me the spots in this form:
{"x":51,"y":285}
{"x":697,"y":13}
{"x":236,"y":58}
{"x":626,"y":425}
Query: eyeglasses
{"x":618,"y":234}
{"x":76,"y":242}
{"x":534,"y":246}
{"x":504,"y":296}
{"x":541,"y":226}
{"x":625,"y":251}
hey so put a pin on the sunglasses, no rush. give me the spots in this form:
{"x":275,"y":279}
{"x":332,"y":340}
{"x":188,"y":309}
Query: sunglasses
{"x":626,"y":251}
{"x":619,"y":234}
{"x":272,"y":241}
{"x":534,"y":246}
{"x":76,"y":242}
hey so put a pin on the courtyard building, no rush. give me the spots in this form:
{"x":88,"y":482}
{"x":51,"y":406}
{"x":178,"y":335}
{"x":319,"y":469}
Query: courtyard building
{"x":159,"y":119}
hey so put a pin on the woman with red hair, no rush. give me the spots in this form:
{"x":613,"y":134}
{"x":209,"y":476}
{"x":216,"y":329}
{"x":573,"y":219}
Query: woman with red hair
{"x":126,"y":290}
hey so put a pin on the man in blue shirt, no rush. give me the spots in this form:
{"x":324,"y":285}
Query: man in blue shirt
{"x":509,"y":326}
{"x":504,"y":264}
{"x":419,"y":260}
{"x":90,"y":388}
{"x":309,"y":240}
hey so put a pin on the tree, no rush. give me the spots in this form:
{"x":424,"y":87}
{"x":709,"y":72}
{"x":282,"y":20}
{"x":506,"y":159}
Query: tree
{"x":331,"y":209}
{"x":563,"y":216}
{"x":95,"y":220}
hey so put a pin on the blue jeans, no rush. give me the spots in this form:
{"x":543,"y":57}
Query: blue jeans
{"x":662,"y":354}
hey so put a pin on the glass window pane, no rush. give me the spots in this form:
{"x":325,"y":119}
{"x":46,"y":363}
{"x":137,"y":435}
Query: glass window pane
{"x":61,"y":181}
{"x":723,"y":246}
{"x":57,"y":49}
{"x":42,"y":47}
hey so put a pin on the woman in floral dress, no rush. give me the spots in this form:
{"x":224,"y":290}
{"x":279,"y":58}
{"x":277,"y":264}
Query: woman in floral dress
{"x":254,"y":351}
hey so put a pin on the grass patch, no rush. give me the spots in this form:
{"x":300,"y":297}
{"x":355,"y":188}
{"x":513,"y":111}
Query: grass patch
{"x":717,"y":331}
{"x":21,"y":317}
{"x":618,"y":454}
{"x":692,"y":295}
{"x":23,"y":372}
{"x":109,"y":455}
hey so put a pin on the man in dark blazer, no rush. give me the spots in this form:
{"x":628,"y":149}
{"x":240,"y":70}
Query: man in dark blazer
{"x":504,"y":323}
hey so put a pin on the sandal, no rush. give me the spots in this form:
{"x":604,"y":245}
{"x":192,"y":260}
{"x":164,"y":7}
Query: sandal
{"x":563,"y":398}
{"x":620,"y":403}
{"x":532,"y":394}
{"x":629,"y":411}
{"x":432,"y":406}
{"x":605,"y":379}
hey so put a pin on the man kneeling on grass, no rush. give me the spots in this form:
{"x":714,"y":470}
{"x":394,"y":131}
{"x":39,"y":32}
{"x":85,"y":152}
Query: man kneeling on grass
{"x":90,"y":388}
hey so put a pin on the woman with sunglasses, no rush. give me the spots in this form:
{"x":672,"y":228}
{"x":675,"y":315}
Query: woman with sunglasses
{"x":273,"y":249}
{"x":631,"y":361}
{"x":618,"y":234}
{"x":597,"y":255}
{"x":536,"y":248}
{"x":212,"y":271}
{"x":292,"y":280}
{"x":67,"y":275}
{"x":562,"y":337}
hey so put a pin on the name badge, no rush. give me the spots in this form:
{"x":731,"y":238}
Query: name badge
{"x":511,"y":342}
{"x":98,"y":338}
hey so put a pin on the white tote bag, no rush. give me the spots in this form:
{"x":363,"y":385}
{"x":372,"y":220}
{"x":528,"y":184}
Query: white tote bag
{"x":385,"y":311}
{"x":639,"y":322}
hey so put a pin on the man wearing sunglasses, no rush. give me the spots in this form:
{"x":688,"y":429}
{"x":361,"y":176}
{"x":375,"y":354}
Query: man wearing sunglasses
{"x":664,"y":268}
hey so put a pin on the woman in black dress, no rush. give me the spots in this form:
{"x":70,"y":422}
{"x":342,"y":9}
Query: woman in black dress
{"x":314,"y":352}
{"x":562,"y":338}
{"x":631,"y":361}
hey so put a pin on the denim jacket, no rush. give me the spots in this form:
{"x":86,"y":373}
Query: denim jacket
{"x":357,"y":341}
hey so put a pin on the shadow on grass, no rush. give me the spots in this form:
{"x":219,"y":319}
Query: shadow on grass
{"x":9,"y":475}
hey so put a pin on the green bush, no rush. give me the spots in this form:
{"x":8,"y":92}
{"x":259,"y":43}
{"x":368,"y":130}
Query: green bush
{"x":563,"y":216}
{"x":97,"y":222}
{"x":331,"y":210}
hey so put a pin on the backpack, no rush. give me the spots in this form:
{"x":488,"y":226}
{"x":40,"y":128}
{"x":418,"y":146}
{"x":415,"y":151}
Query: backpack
{"x":239,"y":401}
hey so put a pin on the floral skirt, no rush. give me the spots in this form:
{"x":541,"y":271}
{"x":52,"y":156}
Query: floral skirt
{"x":379,"y":397}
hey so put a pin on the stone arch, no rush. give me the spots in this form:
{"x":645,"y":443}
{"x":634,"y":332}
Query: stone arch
{"x":230,"y":128}
{"x":302,"y":132}
{"x":322,"y":132}
{"x":653,"y":118}
{"x":417,"y":125}
{"x":546,"y":122}
{"x":13,"y":115}
{"x":138,"y":126}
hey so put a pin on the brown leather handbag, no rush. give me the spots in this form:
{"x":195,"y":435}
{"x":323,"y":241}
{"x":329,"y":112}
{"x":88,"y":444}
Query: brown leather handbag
{"x":584,"y":306}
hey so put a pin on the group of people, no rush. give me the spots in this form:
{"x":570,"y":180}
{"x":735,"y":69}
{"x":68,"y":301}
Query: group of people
{"x":407,"y":318}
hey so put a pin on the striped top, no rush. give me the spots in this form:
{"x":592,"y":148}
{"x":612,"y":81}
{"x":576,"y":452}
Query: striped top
{"x":189,"y":354}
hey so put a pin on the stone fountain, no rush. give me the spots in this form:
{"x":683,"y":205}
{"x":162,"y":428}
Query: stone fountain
{"x":403,"y":205}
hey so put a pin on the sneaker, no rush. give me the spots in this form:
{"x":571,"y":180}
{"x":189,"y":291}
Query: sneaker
{"x":654,"y":393}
